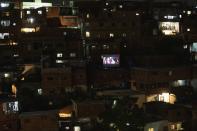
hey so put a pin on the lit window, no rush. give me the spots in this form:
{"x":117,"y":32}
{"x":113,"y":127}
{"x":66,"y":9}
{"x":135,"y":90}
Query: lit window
{"x":185,"y":46}
{"x":5,"y":23}
{"x":169,"y":28}
{"x":6,"y":75}
{"x":87,"y":34}
{"x":170,"y":17}
{"x":40,"y":91}
{"x":14,"y":24}
{"x":21,"y":14}
{"x":16,"y":55}
{"x":14,"y":89}
{"x":88,"y":16}
{"x":64,"y":115}
{"x":105,"y":46}
{"x":30,"y":20}
{"x":59,"y":55}
{"x":65,"y":33}
{"x":10,"y":107}
{"x":93,"y":46}
{"x":150,"y":129}
{"x":179,"y":126}
{"x":77,"y":128}
{"x":124,"y":34}
{"x":3,"y":5}
{"x":4,"y":35}
{"x":195,"y":57}
{"x":172,"y":127}
{"x":193,"y":47}
{"x":72,"y":54}
{"x":28,"y":30}
{"x":40,"y":12}
{"x":59,"y":61}
{"x":6,"y":13}
{"x":189,"y":12}
{"x":28,"y":12}
{"x":188,"y":29}
{"x":111,"y":35}
{"x":137,"y":14}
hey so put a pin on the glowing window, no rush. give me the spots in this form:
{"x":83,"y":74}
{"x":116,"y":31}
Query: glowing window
{"x":111,"y":35}
{"x":30,"y":20}
{"x":93,"y":46}
{"x":193,"y":47}
{"x":77,"y":128}
{"x":87,"y":34}
{"x":40,"y":12}
{"x":65,"y":115}
{"x":28,"y":12}
{"x":88,"y":16}
{"x":189,"y":12}
{"x":59,"y":55}
{"x":59,"y":61}
{"x":4,"y":35}
{"x":124,"y":34}
{"x":10,"y":107}
{"x":172,"y":127}
{"x":28,"y":30}
{"x":137,"y":14}
{"x":6,"y":75}
{"x":4,"y":5}
{"x":14,"y":89}
{"x":5,"y":23}
{"x":169,"y":28}
{"x":150,"y":129}
{"x":72,"y":54}
{"x":40,"y":91}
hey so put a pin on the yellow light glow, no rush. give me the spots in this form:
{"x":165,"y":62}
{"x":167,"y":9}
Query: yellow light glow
{"x":14,"y":89}
{"x":36,"y":4}
{"x":150,"y":129}
{"x":165,"y":97}
{"x":29,"y":30}
{"x":64,"y":115}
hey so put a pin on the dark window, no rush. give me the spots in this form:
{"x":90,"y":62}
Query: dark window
{"x":124,"y":24}
{"x":49,"y":78}
{"x":133,"y":24}
{"x":165,"y":128}
{"x":101,"y":24}
{"x":27,"y":120}
{"x":109,"y":15}
{"x":178,"y":114}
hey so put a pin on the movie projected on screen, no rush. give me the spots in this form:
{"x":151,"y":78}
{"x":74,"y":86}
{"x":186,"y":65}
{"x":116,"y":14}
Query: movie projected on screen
{"x":169,"y":28}
{"x":111,"y":60}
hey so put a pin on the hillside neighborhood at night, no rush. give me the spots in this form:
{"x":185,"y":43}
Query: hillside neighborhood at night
{"x":98,"y":65}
